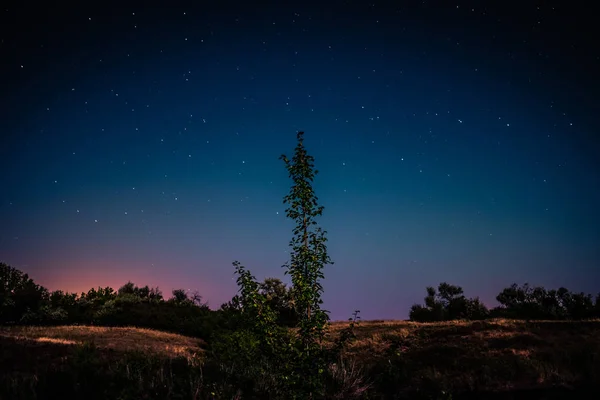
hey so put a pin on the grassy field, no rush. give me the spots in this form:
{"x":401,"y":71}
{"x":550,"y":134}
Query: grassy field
{"x":121,"y":340}
{"x":395,"y":357}
{"x":494,"y":355}
{"x":98,"y":363}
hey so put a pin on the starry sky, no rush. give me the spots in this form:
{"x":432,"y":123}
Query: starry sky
{"x":456,"y":141}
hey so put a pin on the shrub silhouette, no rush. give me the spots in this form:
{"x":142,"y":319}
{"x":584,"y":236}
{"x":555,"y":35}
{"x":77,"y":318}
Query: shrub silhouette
{"x":22,"y":301}
{"x":447,"y":303}
{"x":19,"y":295}
{"x":179,"y":296}
{"x":516,"y":302}
{"x":527,"y":302}
{"x":278,"y":296}
{"x":280,"y":299}
{"x":144,"y":293}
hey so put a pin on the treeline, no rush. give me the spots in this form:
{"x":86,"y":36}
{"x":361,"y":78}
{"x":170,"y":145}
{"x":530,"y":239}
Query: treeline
{"x":24,"y":302}
{"x":527,"y":302}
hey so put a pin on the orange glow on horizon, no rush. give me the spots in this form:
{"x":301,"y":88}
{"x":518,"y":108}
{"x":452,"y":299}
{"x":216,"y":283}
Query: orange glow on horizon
{"x":80,"y":280}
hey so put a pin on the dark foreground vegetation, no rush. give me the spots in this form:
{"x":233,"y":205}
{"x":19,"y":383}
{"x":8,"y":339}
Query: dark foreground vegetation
{"x":495,"y":359}
{"x":275,"y":342}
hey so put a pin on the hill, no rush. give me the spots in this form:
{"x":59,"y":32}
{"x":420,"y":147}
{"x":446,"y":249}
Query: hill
{"x":97,"y":363}
{"x":118,"y":339}
{"x":399,"y":359}
{"x":479,"y":356}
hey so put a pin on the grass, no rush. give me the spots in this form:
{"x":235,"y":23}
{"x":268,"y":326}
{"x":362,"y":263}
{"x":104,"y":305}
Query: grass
{"x":480,"y":356}
{"x":98,"y":363}
{"x":399,"y":359}
{"x":127,"y":339}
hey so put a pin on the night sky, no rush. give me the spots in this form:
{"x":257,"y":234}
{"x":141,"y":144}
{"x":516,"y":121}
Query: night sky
{"x":455,"y":141}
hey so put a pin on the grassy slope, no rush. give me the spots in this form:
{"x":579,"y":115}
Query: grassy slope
{"x":115,"y":339}
{"x":60,"y":362}
{"x":493,"y":355}
{"x":455,"y":356}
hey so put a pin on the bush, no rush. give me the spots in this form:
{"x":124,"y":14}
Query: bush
{"x":475,"y":310}
{"x":528,"y":302}
{"x":19,"y":294}
{"x":447,"y":303}
{"x":45,"y":315}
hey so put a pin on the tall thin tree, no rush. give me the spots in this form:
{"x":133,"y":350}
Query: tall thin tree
{"x":309,"y":250}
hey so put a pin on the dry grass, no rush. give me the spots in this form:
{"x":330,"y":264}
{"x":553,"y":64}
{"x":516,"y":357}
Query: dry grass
{"x":482,"y":355}
{"x":396,"y":356}
{"x":97,"y":362}
{"x":118,"y":339}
